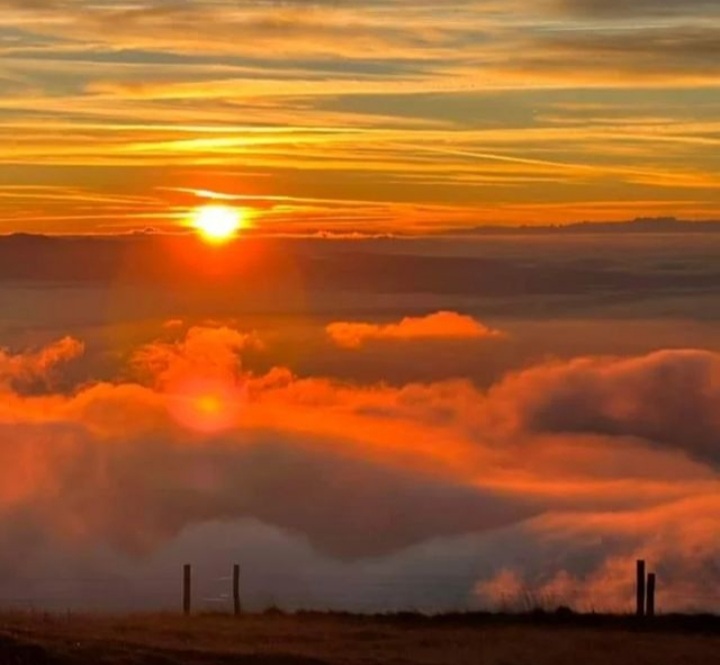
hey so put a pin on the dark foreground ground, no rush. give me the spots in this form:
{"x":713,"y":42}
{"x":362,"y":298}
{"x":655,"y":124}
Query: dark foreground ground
{"x":334,"y":639}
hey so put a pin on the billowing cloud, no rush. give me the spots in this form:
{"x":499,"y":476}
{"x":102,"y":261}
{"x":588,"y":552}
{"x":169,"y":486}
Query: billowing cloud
{"x":440,"y":325}
{"x":668,"y":397}
{"x":595,"y":558}
{"x":203,"y":351}
{"x":587,"y":463}
{"x":30,"y":369}
{"x":147,"y":451}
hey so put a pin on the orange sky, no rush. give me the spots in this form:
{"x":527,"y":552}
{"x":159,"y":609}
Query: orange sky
{"x":370,"y":116}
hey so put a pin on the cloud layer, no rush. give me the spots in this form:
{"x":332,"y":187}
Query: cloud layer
{"x":587,"y":463}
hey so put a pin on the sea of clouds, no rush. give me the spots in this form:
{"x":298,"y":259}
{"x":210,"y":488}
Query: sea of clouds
{"x":435,"y":461}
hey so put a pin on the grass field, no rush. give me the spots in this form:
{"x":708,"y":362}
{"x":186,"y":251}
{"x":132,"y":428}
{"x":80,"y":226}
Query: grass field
{"x":41,"y":639}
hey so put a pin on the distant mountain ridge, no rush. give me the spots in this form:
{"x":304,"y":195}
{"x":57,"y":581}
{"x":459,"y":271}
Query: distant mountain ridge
{"x":637,"y":225}
{"x":633,"y":226}
{"x":276,"y":268}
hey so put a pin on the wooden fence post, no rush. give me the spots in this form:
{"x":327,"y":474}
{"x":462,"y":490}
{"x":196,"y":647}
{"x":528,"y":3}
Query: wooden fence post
{"x":236,"y":590}
{"x":187,"y":583}
{"x":640,"y":588}
{"x":650,"y":609}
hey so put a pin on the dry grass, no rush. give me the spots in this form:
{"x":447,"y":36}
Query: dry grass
{"x":333,"y":639}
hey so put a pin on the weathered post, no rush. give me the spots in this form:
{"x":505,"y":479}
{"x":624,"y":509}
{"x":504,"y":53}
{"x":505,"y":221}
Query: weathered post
{"x":187,"y":583}
{"x":640,"y":588}
{"x":236,"y":590}
{"x":650,"y":608}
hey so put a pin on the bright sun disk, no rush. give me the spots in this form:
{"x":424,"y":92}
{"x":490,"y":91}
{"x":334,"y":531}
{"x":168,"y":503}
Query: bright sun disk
{"x":217,"y":223}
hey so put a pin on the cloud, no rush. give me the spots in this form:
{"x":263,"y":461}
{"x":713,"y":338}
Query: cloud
{"x":587,"y":463}
{"x":173,"y":323}
{"x":209,"y":352}
{"x":200,"y":375}
{"x":440,"y":325}
{"x":278,"y":462}
{"x":35,"y":369}
{"x":309,"y":29}
{"x":670,"y":398}
{"x":595,"y":559}
{"x":619,"y":8}
{"x":330,"y":90}
{"x":656,"y":52}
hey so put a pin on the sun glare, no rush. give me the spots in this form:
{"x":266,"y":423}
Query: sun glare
{"x":217,"y":223}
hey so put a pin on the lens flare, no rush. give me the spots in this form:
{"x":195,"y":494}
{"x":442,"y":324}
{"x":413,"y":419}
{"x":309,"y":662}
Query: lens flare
{"x":206,"y":406}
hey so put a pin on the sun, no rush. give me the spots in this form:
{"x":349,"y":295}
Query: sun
{"x":217,"y":223}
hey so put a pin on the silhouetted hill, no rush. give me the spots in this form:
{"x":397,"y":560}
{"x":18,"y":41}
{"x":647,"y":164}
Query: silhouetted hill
{"x":638,"y":225}
{"x":271,"y":265}
{"x":276,"y":638}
